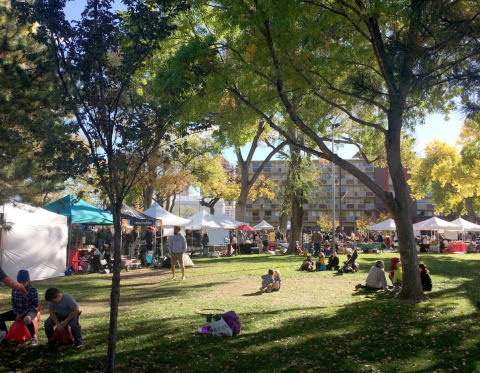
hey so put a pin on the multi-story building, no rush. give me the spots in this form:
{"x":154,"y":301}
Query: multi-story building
{"x":352,"y":197}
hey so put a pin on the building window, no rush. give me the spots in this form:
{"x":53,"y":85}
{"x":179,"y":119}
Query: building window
{"x":420,"y":213}
{"x":255,"y":213}
{"x":328,"y":189}
{"x":420,"y":201}
{"x":268,"y":213}
{"x":365,"y":164}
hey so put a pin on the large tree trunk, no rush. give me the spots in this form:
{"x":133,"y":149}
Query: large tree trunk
{"x":115,"y":293}
{"x":297,"y":202}
{"x":400,"y":209}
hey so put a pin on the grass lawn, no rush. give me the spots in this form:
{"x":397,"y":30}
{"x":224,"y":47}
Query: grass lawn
{"x":317,"y":322}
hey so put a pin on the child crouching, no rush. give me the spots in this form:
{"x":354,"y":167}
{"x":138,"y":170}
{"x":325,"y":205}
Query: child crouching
{"x":64,"y":312}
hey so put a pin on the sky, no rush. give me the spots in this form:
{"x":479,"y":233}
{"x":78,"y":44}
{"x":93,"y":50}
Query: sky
{"x":435,"y":126}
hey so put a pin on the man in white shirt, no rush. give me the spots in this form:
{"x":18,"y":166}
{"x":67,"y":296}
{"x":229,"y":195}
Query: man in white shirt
{"x":177,"y":247}
{"x":376,"y":278}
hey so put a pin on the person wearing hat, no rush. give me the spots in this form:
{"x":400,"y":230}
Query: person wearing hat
{"x":7,"y":281}
{"x":177,"y":246}
{"x":25,"y":308}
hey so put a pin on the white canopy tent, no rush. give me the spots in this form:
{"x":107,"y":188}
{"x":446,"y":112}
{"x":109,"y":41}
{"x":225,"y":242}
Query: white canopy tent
{"x":228,"y":219}
{"x":217,"y":229}
{"x":387,"y":225}
{"x":168,"y":219}
{"x":263,"y":225}
{"x":465,"y":226}
{"x":37,"y":242}
{"x":434,"y":224}
{"x":205,"y":220}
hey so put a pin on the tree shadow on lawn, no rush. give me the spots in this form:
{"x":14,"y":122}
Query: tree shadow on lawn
{"x":385,"y":335}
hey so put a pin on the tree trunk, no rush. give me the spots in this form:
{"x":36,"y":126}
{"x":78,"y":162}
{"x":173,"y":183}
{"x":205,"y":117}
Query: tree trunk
{"x":284,"y":222}
{"x":297,"y":202}
{"x":115,"y":293}
{"x":470,"y":211}
{"x":400,"y":208}
{"x":171,"y":204}
{"x":241,"y":203}
{"x":148,"y":196}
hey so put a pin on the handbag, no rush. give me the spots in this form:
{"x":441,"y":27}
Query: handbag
{"x":220,"y":328}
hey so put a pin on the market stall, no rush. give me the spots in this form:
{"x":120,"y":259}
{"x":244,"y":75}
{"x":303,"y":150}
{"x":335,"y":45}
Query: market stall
{"x":36,"y":241}
{"x":435,"y":224}
{"x":83,"y":237}
{"x":217,"y":229}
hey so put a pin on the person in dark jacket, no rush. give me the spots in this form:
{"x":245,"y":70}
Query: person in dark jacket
{"x":333,"y":262}
{"x":205,"y":241}
{"x":425,"y":277}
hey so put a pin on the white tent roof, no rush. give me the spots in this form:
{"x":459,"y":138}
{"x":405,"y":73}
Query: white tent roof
{"x":465,"y":225}
{"x":229,"y":220}
{"x":263,"y":225}
{"x":434,"y":224}
{"x":204,"y":220}
{"x":168,"y":219}
{"x":387,"y":225}
{"x":36,"y":242}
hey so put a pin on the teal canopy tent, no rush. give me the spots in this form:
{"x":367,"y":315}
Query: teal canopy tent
{"x":80,"y":212}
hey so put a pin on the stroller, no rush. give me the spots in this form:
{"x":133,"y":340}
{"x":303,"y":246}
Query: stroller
{"x":350,"y":265}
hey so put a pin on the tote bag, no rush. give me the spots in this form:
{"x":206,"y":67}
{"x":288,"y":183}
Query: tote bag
{"x":220,"y":328}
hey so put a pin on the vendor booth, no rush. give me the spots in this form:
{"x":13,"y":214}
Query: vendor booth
{"x":82,"y":217}
{"x":435,"y":224}
{"x":132,"y":217}
{"x":36,"y":242}
{"x":217,"y":231}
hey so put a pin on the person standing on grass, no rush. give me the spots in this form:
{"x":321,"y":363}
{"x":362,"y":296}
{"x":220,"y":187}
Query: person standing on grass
{"x":317,"y":242}
{"x":205,"y":241}
{"x":177,"y":246}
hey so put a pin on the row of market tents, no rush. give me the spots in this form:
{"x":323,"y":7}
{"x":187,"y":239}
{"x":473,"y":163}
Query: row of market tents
{"x":432,"y":224}
{"x":37,"y":239}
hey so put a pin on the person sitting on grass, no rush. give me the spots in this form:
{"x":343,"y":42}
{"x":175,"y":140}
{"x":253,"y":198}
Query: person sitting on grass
{"x":393,"y":267}
{"x":333,"y":262}
{"x":425,"y":277}
{"x":320,"y":261}
{"x":64,"y":312}
{"x":307,"y":265}
{"x":277,"y":284}
{"x":267,"y":280}
{"x":376,"y":278}
{"x":25,"y":308}
{"x":349,"y":266}
{"x":398,"y":277}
